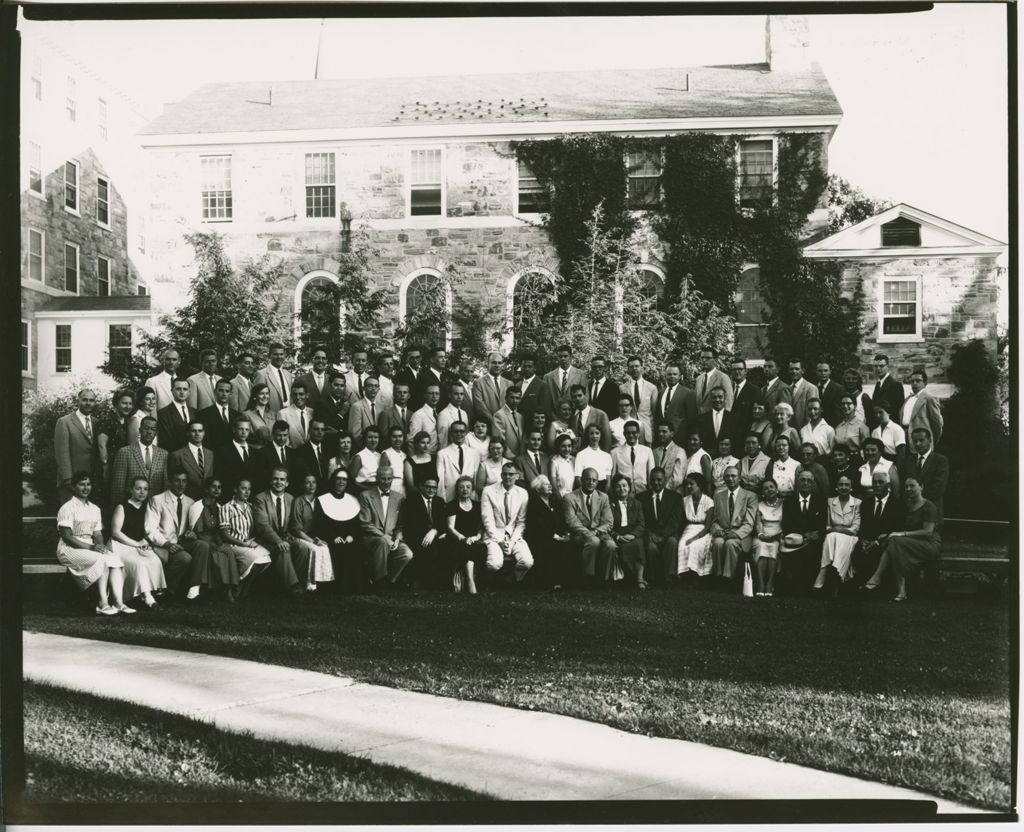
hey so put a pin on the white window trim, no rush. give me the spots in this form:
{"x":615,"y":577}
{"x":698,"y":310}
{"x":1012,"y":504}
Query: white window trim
{"x":300,"y":288}
{"x":215,"y":220}
{"x":27,"y":373}
{"x":759,"y":137}
{"x":532,"y":215}
{"x":77,"y":210}
{"x":508,"y":340}
{"x":99,"y":222}
{"x":110,"y":275}
{"x":41,"y":193}
{"x":403,"y":289}
{"x":78,"y":263}
{"x":444,"y":186}
{"x":71,"y":348}
{"x":914,"y":337}
{"x":661,"y":188}
{"x":300,"y":213}
{"x":106,"y":335}
{"x":42,"y":254}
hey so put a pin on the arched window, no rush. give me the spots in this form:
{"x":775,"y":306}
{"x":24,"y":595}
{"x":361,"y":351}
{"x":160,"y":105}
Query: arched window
{"x":425,"y":308}
{"x":653,"y":285}
{"x":526,"y":303}
{"x":318,"y":312}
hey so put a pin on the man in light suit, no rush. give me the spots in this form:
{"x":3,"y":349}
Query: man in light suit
{"x":358,"y":373}
{"x":503,"y":512}
{"x":380,"y":510}
{"x":532,"y":462}
{"x":385,"y":371}
{"x":921,"y":410}
{"x":278,"y":379}
{"x":776,"y":391}
{"x":603,"y":392}
{"x":489,"y":390}
{"x":732,"y":526}
{"x":455,"y":460}
{"x":241,"y":384}
{"x":317,"y":381}
{"x":183,"y":554}
{"x":218,"y":417}
{"x":633,"y":460}
{"x":161,"y":382}
{"x":676,"y":404}
{"x":560,"y":381}
{"x":588,"y":516}
{"x":507,"y":423}
{"x":74,"y":444}
{"x":928,"y":467}
{"x":585,"y":416}
{"x":425,"y":419}
{"x":364,"y":412}
{"x":802,"y":391}
{"x":531,"y":386}
{"x":456,"y":411}
{"x":201,"y":384}
{"x":400,"y":413}
{"x":298,"y":415}
{"x":194,"y":460}
{"x":143,"y":459}
{"x":271,"y":515}
{"x":668,"y":456}
{"x":711,"y":377}
{"x":887,"y":388}
{"x":643,"y":394}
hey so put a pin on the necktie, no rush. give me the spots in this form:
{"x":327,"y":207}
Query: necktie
{"x":245,"y":453}
{"x":88,"y":428}
{"x":497,"y":391}
{"x":373,"y":412}
{"x":284,"y":390}
{"x":668,"y":398}
{"x":564,"y":383}
{"x":732,"y":504}
{"x":718,"y":421}
{"x":579,"y":424}
{"x":508,"y":510}
{"x":804,"y":501}
{"x":661,"y":457}
{"x":536,"y":461}
{"x":920,"y":463}
{"x":316,"y":456}
{"x":184,"y":414}
{"x":632,"y":457}
{"x":657,"y":506}
{"x":149,"y":458}
{"x":302,"y":422}
{"x":588,"y":506}
{"x":280,"y":513}
{"x":319,"y":383}
{"x":179,"y":512}
{"x":224,"y":414}
{"x":202,"y":466}
{"x":636,"y":396}
{"x":593,"y":391}
{"x":878,"y":510}
{"x":461,"y":458}
{"x":459,"y":410}
{"x":703,"y":384}
{"x":433,"y":412}
{"x":405,"y":422}
{"x":359,"y":385}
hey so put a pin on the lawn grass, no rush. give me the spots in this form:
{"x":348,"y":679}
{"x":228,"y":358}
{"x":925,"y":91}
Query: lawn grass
{"x":85,"y":749}
{"x":910,"y":694}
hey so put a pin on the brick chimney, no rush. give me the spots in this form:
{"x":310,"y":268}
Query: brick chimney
{"x":787,"y":42}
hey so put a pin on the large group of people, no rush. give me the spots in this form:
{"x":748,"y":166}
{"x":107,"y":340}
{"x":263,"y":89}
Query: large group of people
{"x":379,"y":478}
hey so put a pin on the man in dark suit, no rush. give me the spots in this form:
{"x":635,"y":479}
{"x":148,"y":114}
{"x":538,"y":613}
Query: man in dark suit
{"x":776,"y":390}
{"x":278,"y":453}
{"x":745,"y":394}
{"x":317,"y":381}
{"x":716,"y":423}
{"x":332,"y":410}
{"x":532,"y":462}
{"x":424,"y":529}
{"x":399,"y":414}
{"x":830,"y":392}
{"x":74,"y":445}
{"x":194,"y":460}
{"x":409,"y":373}
{"x":142,"y":459}
{"x":663,"y":520}
{"x":218,"y":417}
{"x":311,"y":458}
{"x":928,"y":467}
{"x":804,"y":513}
{"x":585,"y":415}
{"x":881,"y":513}
{"x":437,"y":373}
{"x":172,"y":420}
{"x":531,"y":386}
{"x":603,"y":393}
{"x":888,"y":388}
{"x":271,"y":517}
{"x":863,"y":406}
{"x":676,"y":404}
{"x":236,"y":461}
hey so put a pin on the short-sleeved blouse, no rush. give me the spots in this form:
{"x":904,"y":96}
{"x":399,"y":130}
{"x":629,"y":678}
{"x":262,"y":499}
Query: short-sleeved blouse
{"x":467,"y":523}
{"x":852,"y":433}
{"x":491,"y":469}
{"x":866,"y":471}
{"x":915,"y":519}
{"x":563,"y":474}
{"x":82,"y":518}
{"x":600,"y":461}
{"x":784,"y":474}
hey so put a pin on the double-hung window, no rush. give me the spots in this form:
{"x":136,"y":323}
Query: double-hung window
{"x":216,"y":176}
{"x":643,"y":174}
{"x":35,"y":168}
{"x":900,"y":309}
{"x":62,"y":341}
{"x":35,"y":254}
{"x":756,"y":173}
{"x":426,"y":183}
{"x":26,"y":347}
{"x":119,"y":344}
{"x":103,"y":201}
{"x":533,"y":197}
{"x":71,"y":267}
{"x":103,"y":277}
{"x":320,"y":197}
{"x":71,"y":186}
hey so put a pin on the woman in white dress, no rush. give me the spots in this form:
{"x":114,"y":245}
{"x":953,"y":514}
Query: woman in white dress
{"x":593,"y":457}
{"x":363,"y":468}
{"x":130,"y":526}
{"x":395,"y":454}
{"x":874,"y":461}
{"x":82,"y":550}
{"x":301,"y":526}
{"x":480,"y":436}
{"x":145,"y":405}
{"x":694,"y":550}
{"x":840,"y":533}
{"x":783,"y":469}
{"x":489,"y":471}
{"x":724,"y":460}
{"x":767,"y":536}
{"x":698,"y":461}
{"x":562,"y":469}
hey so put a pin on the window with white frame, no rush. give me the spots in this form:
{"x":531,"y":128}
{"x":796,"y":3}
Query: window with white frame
{"x":103,"y":277}
{"x":141,"y":290}
{"x":643,"y":175}
{"x":103,"y":201}
{"x":35,"y":168}
{"x":101,"y":118}
{"x":533,"y":197}
{"x":37,"y":77}
{"x":426,"y":181}
{"x":756,"y":173}
{"x":70,"y":105}
{"x":71,"y":186}
{"x":35,"y":254}
{"x":62,"y":342}
{"x":216,"y":177}
{"x":320,"y":197}
{"x":900,"y":309}
{"x":26,"y":346}
{"x":119,"y":345}
{"x":71,"y":267}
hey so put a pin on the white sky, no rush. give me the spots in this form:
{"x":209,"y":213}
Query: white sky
{"x":924,"y":95}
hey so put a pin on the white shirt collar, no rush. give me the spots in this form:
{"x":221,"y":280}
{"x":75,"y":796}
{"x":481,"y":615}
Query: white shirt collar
{"x":771,"y":383}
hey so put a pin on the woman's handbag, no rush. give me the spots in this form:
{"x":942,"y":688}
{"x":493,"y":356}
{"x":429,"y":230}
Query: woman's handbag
{"x":748,"y":582}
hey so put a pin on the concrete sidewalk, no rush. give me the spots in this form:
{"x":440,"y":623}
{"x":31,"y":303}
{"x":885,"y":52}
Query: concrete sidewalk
{"x":504,"y":752}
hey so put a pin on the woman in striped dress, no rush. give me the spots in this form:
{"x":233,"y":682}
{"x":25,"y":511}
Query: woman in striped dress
{"x":82,"y":551}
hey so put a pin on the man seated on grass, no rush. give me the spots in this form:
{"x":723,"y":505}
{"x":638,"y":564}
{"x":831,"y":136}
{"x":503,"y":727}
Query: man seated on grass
{"x":272,"y":512}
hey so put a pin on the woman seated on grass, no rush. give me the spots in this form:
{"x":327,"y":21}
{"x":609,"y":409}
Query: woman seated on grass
{"x":917,"y":545}
{"x":82,"y":551}
{"x":465,"y":536}
{"x":130,"y":526}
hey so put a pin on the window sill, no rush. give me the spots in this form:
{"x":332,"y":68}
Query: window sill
{"x":900,"y":339}
{"x":36,"y":194}
{"x":73,"y":211}
{"x":216,"y":222}
{"x":104,"y":226}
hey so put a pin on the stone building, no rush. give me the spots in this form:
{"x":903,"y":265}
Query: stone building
{"x":425,"y":165}
{"x":81,"y":246}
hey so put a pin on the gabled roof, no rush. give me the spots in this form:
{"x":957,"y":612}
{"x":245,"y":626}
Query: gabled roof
{"x":117,"y":303}
{"x":939,"y":238}
{"x":461,"y":100}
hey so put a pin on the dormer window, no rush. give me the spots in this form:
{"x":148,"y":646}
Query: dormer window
{"x":901,"y":233}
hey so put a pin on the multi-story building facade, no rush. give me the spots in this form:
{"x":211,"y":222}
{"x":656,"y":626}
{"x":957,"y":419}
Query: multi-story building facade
{"x":81,"y":243}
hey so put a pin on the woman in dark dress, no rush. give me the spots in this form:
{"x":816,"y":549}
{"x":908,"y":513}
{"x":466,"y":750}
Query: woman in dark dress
{"x":547,"y":535}
{"x":336,"y":520}
{"x":917,"y":545}
{"x":419,"y":464}
{"x":465,"y":533}
{"x":204,"y":521}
